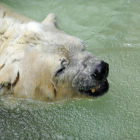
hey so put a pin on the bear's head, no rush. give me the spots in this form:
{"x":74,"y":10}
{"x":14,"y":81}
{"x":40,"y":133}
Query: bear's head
{"x":41,"y":62}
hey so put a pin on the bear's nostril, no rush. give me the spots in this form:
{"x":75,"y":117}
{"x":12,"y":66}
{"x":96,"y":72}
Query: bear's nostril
{"x":101,"y":71}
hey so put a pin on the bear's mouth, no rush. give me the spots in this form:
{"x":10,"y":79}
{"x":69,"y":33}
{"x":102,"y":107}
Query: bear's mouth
{"x":98,"y":90}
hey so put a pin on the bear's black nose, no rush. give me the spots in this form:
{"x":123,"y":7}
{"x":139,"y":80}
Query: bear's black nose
{"x":101,"y":71}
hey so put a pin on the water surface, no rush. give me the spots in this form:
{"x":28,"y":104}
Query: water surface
{"x":111,"y":31}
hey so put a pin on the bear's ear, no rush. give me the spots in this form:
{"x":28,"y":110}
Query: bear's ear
{"x":9,"y":75}
{"x":50,"y":19}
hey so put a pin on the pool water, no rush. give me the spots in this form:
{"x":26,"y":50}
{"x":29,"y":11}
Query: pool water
{"x":111,"y":31}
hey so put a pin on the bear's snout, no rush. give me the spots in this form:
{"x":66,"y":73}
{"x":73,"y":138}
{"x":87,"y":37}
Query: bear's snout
{"x":101,"y":71}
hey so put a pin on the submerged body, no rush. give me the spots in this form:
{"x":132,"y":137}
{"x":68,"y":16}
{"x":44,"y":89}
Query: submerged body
{"x":39,"y":61}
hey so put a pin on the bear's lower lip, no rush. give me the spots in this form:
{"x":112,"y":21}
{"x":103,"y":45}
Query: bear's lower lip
{"x":99,"y":90}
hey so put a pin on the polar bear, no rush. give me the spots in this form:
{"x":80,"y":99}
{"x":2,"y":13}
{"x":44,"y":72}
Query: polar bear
{"x":40,"y":62}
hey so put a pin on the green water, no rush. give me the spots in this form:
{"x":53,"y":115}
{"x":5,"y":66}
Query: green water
{"x":111,"y":31}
